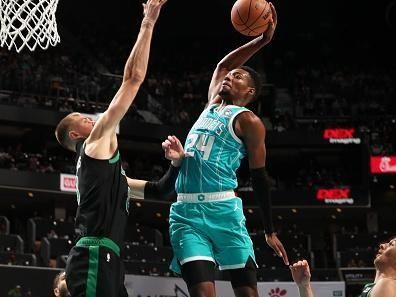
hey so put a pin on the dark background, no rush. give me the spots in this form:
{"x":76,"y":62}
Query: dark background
{"x":191,"y":37}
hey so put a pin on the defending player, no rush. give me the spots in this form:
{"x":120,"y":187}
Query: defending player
{"x":94,"y":267}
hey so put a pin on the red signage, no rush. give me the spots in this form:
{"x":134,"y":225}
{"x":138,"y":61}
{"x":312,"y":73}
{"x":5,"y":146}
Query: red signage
{"x":338,"y":133}
{"x":68,"y":182}
{"x":383,"y":164}
{"x":335,"y":196}
{"x":341,"y":135}
{"x":322,"y":194}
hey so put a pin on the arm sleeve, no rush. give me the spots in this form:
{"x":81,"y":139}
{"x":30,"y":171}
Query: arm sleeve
{"x":261,"y":188}
{"x":163,"y":188}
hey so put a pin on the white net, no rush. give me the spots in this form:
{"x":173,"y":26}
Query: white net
{"x":28,"y":23}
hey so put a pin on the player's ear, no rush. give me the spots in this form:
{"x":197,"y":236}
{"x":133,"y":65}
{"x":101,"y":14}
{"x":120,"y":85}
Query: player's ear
{"x":73,"y":135}
{"x":252,"y":91}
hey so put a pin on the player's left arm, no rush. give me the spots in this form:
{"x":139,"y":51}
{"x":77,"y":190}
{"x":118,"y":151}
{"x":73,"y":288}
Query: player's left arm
{"x":385,"y":287}
{"x":163,"y":188}
{"x":250,"y":128}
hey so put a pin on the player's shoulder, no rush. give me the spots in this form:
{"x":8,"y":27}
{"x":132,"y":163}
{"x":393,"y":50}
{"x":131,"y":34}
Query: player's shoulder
{"x":249,"y":118}
{"x":247,"y":125}
{"x":385,"y":287}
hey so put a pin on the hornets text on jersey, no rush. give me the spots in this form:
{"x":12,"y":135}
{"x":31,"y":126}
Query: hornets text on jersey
{"x":213,"y":152}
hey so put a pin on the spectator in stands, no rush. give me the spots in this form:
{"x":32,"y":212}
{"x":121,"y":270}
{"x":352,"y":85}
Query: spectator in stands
{"x":15,"y":292}
{"x":384,"y":284}
{"x":52,"y":234}
{"x":59,"y":285}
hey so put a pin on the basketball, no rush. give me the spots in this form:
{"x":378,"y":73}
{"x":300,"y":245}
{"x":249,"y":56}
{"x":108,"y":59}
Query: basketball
{"x":251,"y":17}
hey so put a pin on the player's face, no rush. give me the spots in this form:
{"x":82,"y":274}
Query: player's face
{"x":235,"y":86}
{"x":386,"y":254}
{"x":83,"y":125}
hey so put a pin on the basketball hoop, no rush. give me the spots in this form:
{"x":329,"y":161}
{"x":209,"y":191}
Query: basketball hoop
{"x":28,"y":23}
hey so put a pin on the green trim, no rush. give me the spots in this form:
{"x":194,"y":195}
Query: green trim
{"x":92,"y":277}
{"x":115,"y":158}
{"x":366,"y":292}
{"x":92,"y":241}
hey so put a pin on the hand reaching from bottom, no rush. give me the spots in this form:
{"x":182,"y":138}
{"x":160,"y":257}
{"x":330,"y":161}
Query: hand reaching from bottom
{"x":301,"y":273}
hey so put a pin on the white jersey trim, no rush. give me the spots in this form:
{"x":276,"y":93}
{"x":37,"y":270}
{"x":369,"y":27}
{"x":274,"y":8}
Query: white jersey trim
{"x":205,"y":197}
{"x":231,"y":128}
{"x":196,"y":258}
{"x":234,"y":266}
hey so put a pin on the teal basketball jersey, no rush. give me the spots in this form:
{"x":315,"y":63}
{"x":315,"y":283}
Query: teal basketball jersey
{"x":213,"y":152}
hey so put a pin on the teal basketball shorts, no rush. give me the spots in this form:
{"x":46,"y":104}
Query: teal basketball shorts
{"x":211,"y":227}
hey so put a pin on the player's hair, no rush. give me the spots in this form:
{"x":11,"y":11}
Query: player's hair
{"x":62,"y":132}
{"x":255,"y":78}
{"x":392,"y":238}
{"x":57,"y":279}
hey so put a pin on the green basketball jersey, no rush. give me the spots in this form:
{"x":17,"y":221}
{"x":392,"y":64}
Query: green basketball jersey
{"x":213,"y":152}
{"x":367,"y":290}
{"x":102,"y":193}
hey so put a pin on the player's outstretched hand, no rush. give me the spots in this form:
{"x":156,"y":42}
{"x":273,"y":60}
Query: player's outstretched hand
{"x":277,"y":246}
{"x":269,"y":33}
{"x":301,"y":273}
{"x":173,"y":150}
{"x":152,"y":8}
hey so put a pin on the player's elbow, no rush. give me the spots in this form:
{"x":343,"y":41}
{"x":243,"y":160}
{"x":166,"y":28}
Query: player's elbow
{"x":223,"y":66}
{"x":136,"y":78}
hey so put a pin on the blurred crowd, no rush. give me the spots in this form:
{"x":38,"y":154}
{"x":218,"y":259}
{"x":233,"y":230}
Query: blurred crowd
{"x":325,"y":90}
{"x":65,"y":80}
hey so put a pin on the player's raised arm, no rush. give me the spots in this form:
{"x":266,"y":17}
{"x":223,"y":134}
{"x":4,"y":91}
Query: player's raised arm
{"x":100,"y":137}
{"x":239,"y":56}
{"x":134,"y":73}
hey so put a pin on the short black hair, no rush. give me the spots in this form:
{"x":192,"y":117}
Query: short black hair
{"x":256,"y":79}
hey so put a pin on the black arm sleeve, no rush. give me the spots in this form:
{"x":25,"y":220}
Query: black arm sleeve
{"x":261,"y":188}
{"x":163,"y":188}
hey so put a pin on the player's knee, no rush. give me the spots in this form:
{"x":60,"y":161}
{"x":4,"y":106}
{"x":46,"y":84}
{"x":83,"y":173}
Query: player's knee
{"x":203,"y":289}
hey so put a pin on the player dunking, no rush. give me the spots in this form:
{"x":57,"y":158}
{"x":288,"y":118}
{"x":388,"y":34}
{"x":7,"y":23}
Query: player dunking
{"x":207,"y":224}
{"x":94,"y":267}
